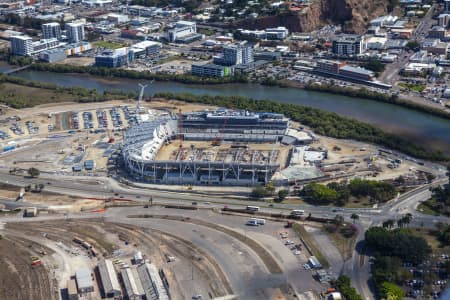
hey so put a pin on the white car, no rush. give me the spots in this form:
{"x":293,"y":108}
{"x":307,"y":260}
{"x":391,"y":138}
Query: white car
{"x":297,"y":252}
{"x":306,"y":267}
{"x":289,"y":242}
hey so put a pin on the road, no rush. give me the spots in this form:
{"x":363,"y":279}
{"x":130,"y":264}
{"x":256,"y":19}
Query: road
{"x":105,"y":188}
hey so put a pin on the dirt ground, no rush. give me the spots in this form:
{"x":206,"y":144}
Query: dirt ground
{"x":19,"y":279}
{"x":77,"y":61}
{"x":124,"y":241}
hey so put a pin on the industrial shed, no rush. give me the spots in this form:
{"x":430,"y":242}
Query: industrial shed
{"x":108,"y":277}
{"x":131,"y":287}
{"x":84,"y":281}
{"x":152,"y":284}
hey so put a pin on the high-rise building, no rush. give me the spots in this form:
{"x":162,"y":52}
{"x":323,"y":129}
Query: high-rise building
{"x":235,"y":54}
{"x":21,"y":45}
{"x":348,"y":45}
{"x":51,"y":30}
{"x":75,"y":32}
{"x":447,"y":6}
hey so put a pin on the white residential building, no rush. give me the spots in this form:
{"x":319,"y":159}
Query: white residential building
{"x":75,"y":32}
{"x":21,"y":45}
{"x":51,"y":30}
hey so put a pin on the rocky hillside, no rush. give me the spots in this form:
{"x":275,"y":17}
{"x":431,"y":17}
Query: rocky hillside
{"x":353,"y":15}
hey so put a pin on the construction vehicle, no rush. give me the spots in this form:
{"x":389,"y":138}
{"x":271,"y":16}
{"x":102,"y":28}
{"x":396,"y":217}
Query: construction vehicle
{"x":36,"y":262}
{"x":219,"y":138}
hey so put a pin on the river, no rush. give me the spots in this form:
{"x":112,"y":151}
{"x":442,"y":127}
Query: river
{"x":433,"y":130}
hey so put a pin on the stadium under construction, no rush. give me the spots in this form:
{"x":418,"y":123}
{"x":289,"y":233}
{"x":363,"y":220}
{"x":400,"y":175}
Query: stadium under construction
{"x":221,"y":147}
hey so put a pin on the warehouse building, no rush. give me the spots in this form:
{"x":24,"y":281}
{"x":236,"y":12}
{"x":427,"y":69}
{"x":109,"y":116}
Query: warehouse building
{"x":84,"y":281}
{"x":131,"y":286}
{"x":53,"y":55}
{"x":108,"y":277}
{"x":152,"y":284}
{"x":181,"y":31}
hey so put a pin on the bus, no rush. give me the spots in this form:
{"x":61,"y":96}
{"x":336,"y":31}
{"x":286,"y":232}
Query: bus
{"x":252,"y":208}
{"x":297,"y":212}
{"x":258,"y":221}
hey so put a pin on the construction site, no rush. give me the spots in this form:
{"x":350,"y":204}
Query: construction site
{"x":208,"y":147}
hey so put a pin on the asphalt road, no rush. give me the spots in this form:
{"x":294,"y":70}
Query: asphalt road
{"x":105,"y":188}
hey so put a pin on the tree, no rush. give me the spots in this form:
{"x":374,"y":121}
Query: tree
{"x":354,"y":217}
{"x":339,"y":220}
{"x":343,"y":284}
{"x":282,"y":194}
{"x":258,"y":192}
{"x":33,"y":172}
{"x":388,"y":224}
{"x":413,"y":45}
{"x":407,"y":219}
{"x":391,"y":291}
{"x":399,"y":242}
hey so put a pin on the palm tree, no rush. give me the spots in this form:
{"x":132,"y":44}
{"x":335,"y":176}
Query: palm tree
{"x":400,"y":223}
{"x":388,"y":224}
{"x":354,"y":217}
{"x":406,"y":219}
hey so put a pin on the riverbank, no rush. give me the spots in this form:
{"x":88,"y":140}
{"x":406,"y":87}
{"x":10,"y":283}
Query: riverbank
{"x":132,"y":74}
{"x":366,"y":94}
{"x":20,"y":93}
{"x":428,"y":130}
{"x":321,"y":122}
{"x":190,"y":79}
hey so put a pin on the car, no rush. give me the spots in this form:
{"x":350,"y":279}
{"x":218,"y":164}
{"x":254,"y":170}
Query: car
{"x":289,"y":242}
{"x":306,"y":267}
{"x":197,"y":297}
{"x":207,"y":203}
{"x":194,"y":203}
{"x":297,"y":252}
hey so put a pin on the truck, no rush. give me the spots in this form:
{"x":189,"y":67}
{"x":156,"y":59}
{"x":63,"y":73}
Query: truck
{"x":297,"y":212}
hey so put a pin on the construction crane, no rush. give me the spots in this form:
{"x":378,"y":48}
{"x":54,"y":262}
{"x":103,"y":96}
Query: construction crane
{"x":180,"y":133}
{"x":219,"y":138}
{"x":141,"y":94}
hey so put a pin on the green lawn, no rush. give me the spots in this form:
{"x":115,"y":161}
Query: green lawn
{"x":413,"y":87}
{"x":108,"y":44}
{"x":430,"y":207}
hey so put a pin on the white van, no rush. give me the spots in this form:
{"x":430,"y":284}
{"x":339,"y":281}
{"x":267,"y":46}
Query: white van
{"x":259,"y":221}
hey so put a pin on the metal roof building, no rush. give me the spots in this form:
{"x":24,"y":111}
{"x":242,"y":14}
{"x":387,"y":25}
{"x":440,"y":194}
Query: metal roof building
{"x":131,"y":287}
{"x":152,"y":284}
{"x":108,"y":278}
{"x":84,"y":280}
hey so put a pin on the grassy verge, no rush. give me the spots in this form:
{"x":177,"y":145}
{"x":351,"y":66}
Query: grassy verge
{"x":343,"y":244}
{"x":430,"y":207}
{"x":309,"y":241}
{"x":412,"y":87}
{"x":108,"y":45}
